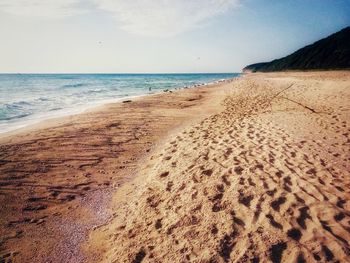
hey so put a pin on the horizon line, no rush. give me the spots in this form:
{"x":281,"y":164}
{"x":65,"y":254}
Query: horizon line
{"x":113,"y":73}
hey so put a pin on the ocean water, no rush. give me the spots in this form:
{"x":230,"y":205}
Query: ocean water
{"x":29,"y":98}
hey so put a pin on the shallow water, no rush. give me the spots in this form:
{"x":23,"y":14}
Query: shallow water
{"x":29,"y":98}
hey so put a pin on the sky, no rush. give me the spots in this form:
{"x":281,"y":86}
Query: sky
{"x":159,"y":36}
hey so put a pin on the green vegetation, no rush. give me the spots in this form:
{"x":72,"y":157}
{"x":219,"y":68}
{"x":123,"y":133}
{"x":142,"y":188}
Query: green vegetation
{"x":332,"y":52}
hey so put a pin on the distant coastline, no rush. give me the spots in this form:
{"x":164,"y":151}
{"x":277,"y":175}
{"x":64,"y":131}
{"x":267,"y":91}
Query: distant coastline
{"x":330,"y":53}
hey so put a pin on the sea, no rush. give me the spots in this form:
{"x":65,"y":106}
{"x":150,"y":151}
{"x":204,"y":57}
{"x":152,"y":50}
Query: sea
{"x":26,"y":99}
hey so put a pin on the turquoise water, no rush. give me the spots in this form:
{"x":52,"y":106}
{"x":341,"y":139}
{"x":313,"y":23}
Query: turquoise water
{"x":29,"y":98}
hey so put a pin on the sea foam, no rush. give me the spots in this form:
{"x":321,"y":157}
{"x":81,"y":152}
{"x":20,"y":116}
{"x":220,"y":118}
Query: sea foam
{"x":30,"y":98}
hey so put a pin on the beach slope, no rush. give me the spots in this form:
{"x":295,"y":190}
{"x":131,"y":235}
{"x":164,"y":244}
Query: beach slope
{"x":57,"y":178}
{"x":251,"y":170}
{"x":264,"y":180}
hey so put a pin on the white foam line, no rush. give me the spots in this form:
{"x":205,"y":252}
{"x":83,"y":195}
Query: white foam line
{"x":35,"y":119}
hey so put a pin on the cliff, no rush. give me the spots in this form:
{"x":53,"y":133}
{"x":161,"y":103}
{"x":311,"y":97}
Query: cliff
{"x":332,"y":52}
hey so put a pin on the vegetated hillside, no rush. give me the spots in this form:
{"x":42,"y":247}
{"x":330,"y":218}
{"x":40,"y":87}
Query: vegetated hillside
{"x":332,"y":52}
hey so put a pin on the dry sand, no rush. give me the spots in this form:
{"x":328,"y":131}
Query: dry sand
{"x":56,"y":178}
{"x":256,"y":170}
{"x":266,"y":179}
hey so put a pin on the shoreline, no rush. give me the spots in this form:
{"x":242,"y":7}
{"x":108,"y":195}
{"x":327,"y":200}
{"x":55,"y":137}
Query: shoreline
{"x":40,"y":121}
{"x":63,"y":162}
{"x":220,"y":172}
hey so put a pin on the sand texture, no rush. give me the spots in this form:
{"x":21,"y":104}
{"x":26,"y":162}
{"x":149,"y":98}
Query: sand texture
{"x":254,"y":170}
{"x":264,"y":180}
{"x":57,"y":180}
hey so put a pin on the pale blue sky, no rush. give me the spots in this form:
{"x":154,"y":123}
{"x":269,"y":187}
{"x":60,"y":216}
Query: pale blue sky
{"x":123,"y":36}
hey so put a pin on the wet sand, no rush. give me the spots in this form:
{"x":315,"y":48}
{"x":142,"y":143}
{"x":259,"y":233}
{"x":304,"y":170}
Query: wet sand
{"x":57,"y":178}
{"x":254,"y":170}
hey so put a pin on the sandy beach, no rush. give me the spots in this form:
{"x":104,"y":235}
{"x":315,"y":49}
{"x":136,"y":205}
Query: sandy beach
{"x":57,"y":177}
{"x":250,"y":170}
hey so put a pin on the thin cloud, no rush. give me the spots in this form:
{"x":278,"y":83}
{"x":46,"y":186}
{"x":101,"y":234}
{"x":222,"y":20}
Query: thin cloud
{"x":164,"y":17}
{"x":41,"y":8}
{"x":159,"y":18}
